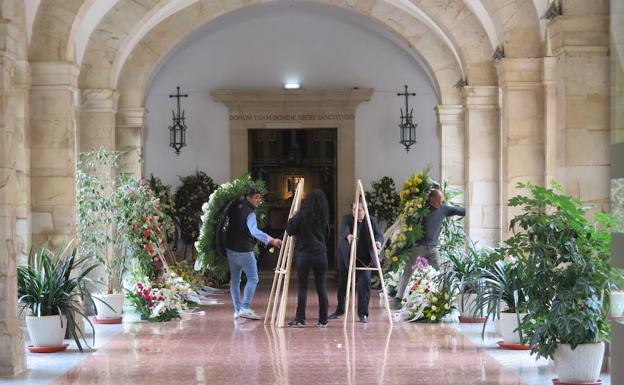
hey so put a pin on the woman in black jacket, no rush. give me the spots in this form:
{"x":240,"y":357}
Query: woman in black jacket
{"x":311,"y":227}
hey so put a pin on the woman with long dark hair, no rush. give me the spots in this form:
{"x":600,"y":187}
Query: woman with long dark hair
{"x":311,"y":227}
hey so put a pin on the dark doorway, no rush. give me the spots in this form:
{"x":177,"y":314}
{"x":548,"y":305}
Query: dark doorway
{"x":280,"y":157}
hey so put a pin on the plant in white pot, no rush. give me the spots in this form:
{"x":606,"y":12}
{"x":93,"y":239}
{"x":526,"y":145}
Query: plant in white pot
{"x":568,"y":260}
{"x":52,"y":287}
{"x":96,"y":181}
{"x":463,"y":269}
{"x":503,"y":295}
{"x":616,"y":293}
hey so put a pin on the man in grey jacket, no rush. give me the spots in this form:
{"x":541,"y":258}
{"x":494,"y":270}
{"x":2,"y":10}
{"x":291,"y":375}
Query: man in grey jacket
{"x":427,"y":246}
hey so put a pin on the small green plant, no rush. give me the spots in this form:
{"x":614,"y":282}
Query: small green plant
{"x":54,"y":284}
{"x":503,"y":283}
{"x":567,"y":259}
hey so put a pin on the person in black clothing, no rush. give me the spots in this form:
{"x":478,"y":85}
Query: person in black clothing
{"x":311,"y":227}
{"x":364,"y":257}
{"x":427,"y":246}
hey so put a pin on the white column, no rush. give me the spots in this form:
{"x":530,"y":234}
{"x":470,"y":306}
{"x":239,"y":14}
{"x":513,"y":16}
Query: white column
{"x":482,"y":164}
{"x":452,"y":145}
{"x":53,"y":152}
{"x":129,"y":138}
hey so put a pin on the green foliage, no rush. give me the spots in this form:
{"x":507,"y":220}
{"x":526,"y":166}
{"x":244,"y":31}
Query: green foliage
{"x":189,"y":198}
{"x":465,"y":264}
{"x":207,"y":258}
{"x":383,"y":201}
{"x":55,"y":285}
{"x":504,"y":282}
{"x":567,"y":260}
{"x":162,"y":192}
{"x":96,"y":179}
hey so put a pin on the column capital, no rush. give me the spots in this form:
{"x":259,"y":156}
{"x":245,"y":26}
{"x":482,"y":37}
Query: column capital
{"x":131,"y":117}
{"x":98,"y":100}
{"x":481,"y":97}
{"x":520,"y":73}
{"x":54,"y":74}
{"x":579,"y":35}
{"x":450,"y":114}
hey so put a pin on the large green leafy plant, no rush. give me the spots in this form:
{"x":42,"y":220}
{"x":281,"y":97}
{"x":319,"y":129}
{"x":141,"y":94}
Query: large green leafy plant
{"x":567,"y":259}
{"x":54,"y":284}
{"x":162,"y":192}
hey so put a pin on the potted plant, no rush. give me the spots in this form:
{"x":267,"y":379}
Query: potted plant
{"x":616,"y":294}
{"x":464,"y":269}
{"x":567,"y":259}
{"x":51,"y":287}
{"x":503,"y":296}
{"x":96,"y":180}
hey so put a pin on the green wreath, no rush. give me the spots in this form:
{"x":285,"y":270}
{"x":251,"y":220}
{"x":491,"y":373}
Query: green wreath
{"x":214,"y":227}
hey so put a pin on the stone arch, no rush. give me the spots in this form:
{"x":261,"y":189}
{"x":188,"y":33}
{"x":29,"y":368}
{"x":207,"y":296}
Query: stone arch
{"x":518,"y":23}
{"x":109,"y":46}
{"x":51,"y":30}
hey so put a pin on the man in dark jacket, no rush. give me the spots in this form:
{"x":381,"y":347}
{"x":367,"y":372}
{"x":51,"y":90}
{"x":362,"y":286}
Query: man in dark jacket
{"x":241,"y":239}
{"x":364,"y":258}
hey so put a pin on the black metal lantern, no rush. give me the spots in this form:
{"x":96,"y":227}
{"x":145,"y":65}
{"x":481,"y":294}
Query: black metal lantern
{"x":407,"y":126}
{"x":177,"y":130}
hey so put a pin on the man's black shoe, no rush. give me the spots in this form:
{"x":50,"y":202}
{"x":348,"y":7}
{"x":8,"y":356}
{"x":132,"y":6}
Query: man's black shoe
{"x":364,"y":319}
{"x":335,"y":315}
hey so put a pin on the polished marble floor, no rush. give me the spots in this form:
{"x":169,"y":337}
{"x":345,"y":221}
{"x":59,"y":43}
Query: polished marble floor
{"x":213,"y":348}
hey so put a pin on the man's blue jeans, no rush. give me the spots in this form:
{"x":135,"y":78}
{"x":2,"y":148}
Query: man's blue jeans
{"x":242,"y":261}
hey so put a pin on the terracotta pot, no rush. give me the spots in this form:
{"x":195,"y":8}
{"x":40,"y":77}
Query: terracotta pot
{"x":115,"y":301}
{"x":46,"y":330}
{"x":581,"y":365}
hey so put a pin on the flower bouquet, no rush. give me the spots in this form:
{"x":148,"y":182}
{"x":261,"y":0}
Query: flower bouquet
{"x":412,"y":209}
{"x":159,"y":302}
{"x":383,"y":201}
{"x":430,"y":298}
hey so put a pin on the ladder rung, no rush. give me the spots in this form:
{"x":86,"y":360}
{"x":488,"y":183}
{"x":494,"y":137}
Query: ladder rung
{"x":367,"y":268}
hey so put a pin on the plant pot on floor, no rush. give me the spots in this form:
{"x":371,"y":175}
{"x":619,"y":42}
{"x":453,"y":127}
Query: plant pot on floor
{"x":113,"y":310}
{"x":581,"y":365}
{"x":466,"y":303}
{"x":509,"y":323}
{"x":617,"y":304}
{"x":46,"y":330}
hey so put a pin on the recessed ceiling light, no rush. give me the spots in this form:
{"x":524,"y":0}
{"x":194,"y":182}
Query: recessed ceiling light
{"x":292,"y":86}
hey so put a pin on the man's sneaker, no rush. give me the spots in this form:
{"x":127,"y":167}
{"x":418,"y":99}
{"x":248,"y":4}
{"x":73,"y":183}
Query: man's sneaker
{"x":322,"y":325}
{"x":236,"y":314}
{"x":249,"y":314}
{"x":296,"y":323}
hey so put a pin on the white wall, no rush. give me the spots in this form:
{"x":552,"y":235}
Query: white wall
{"x":260,"y":49}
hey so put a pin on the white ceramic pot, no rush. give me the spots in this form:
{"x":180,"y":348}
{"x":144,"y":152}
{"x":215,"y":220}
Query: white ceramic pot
{"x":617,"y":304}
{"x":509,"y":323}
{"x":115,"y":301}
{"x":581,"y":365}
{"x":466,"y":306}
{"x":47,"y":330}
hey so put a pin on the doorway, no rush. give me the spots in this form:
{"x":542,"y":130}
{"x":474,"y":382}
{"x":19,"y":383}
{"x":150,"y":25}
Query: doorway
{"x":281,"y":157}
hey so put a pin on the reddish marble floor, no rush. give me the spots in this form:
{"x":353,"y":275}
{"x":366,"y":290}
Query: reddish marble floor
{"x":215,"y":349}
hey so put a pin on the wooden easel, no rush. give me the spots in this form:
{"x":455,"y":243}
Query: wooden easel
{"x":276,"y":306}
{"x":353,"y":268}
